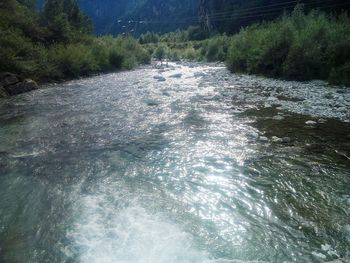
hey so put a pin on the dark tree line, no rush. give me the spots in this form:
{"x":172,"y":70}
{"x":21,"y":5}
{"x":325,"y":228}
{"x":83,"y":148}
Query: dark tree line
{"x":231,"y":15}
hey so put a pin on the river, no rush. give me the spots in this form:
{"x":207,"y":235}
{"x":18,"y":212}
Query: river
{"x":186,"y":164}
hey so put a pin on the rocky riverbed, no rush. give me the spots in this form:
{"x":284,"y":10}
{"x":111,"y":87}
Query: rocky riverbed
{"x":181,"y":164}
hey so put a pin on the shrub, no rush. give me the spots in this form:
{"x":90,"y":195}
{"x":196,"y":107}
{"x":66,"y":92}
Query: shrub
{"x":296,"y":46}
{"x":160,"y":52}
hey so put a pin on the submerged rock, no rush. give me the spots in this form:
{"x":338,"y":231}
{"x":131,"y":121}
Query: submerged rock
{"x":159,"y":78}
{"x":151,"y":102}
{"x":263,"y":139}
{"x":176,"y":76}
{"x":199,"y":74}
{"x":278,"y":118}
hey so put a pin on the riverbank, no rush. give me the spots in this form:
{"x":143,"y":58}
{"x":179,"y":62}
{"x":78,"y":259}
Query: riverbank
{"x":296,"y":46}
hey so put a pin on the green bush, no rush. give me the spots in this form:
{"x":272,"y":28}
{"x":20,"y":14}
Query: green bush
{"x":296,"y":46}
{"x":160,"y":52}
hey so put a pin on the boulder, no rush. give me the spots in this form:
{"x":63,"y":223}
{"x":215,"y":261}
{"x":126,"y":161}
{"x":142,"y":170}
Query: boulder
{"x":159,"y":78}
{"x":21,"y":87}
{"x":311,"y":123}
{"x":7,"y":79}
{"x":11,"y":85}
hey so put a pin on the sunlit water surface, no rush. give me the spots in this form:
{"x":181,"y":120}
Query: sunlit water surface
{"x":123,"y":168}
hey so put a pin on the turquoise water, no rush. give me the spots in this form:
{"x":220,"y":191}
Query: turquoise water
{"x":124,"y":168}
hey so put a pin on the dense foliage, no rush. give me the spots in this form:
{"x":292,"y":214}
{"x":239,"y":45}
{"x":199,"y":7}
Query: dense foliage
{"x":296,"y":46}
{"x":56,"y":44}
{"x":190,"y":44}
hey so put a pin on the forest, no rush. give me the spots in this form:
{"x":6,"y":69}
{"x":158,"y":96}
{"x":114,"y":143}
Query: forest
{"x":58,"y":43}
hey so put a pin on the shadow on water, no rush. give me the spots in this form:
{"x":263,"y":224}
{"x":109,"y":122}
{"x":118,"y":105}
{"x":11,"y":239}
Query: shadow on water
{"x":330,"y":137}
{"x":305,"y":181}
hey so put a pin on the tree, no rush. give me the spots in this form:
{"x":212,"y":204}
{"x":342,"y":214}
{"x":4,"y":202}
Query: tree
{"x":63,"y":17}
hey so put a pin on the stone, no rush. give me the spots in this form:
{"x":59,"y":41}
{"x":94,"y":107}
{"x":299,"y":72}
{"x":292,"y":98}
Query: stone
{"x":276,"y":139}
{"x":255,"y":135}
{"x":159,"y":78}
{"x":176,"y":76}
{"x":286,"y":140}
{"x":311,"y":123}
{"x":278,"y":118}
{"x":21,"y":87}
{"x":7,"y":79}
{"x":263,"y":139}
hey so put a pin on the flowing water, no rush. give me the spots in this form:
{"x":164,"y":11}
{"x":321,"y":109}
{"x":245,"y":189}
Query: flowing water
{"x":127,"y":168}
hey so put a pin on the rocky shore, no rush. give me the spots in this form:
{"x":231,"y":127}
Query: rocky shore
{"x":11,"y":85}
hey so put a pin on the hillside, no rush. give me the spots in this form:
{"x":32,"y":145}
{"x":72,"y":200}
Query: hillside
{"x":139,"y":16}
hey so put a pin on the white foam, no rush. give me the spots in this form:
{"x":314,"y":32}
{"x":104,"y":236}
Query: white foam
{"x":106,"y":233}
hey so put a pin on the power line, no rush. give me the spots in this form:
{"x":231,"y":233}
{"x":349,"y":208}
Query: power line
{"x":280,"y":5}
{"x":228,"y":18}
{"x":239,"y":15}
{"x":290,"y":4}
{"x":263,"y":8}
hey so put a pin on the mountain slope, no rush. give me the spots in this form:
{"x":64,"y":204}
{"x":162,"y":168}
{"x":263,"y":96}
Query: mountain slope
{"x":125,"y":16}
{"x":138,"y":16}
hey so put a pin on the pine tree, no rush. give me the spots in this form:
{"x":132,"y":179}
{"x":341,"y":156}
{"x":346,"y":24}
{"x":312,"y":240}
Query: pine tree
{"x":64,"y":19}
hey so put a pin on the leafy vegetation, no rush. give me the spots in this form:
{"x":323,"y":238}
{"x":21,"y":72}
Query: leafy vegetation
{"x":296,"y":46}
{"x":57,"y":44}
{"x":190,"y":44}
